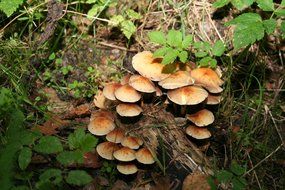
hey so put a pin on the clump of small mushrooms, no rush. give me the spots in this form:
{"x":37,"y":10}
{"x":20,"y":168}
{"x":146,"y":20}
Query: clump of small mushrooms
{"x":191,"y":93}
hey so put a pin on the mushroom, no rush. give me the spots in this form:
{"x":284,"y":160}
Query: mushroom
{"x":102,"y":113}
{"x":207,"y":78}
{"x":127,"y":168}
{"x":213,"y":99}
{"x":177,"y":80}
{"x":125,"y":79}
{"x":109,"y":90}
{"x":101,"y":126}
{"x":125,"y":154}
{"x":198,"y":132}
{"x":115,"y":136}
{"x":142,"y":84}
{"x":202,"y":118}
{"x":144,"y":156}
{"x":146,"y":65}
{"x":107,"y":149}
{"x":128,"y":110}
{"x":131,"y":142}
{"x":128,"y":94}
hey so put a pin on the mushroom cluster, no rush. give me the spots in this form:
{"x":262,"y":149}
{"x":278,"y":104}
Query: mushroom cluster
{"x":188,"y":90}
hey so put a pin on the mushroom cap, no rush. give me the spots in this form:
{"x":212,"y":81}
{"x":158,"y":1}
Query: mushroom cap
{"x":189,"y":95}
{"x":116,"y":136}
{"x":158,"y":92}
{"x":107,"y":149}
{"x":202,"y":118}
{"x":177,"y":80}
{"x":131,"y":142}
{"x":126,"y":93}
{"x":207,"y":78}
{"x":146,"y":65}
{"x":198,"y":132}
{"x":144,"y":156}
{"x":125,"y":154}
{"x":128,"y":110}
{"x":127,"y":168}
{"x":125,"y":79}
{"x":109,"y":90}
{"x":101,"y":126}
{"x":142,"y":84}
{"x":102,"y":113}
{"x":213,"y":99}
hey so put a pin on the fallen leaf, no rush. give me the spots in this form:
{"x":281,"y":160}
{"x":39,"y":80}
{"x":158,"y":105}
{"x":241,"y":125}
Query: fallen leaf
{"x":79,"y":111}
{"x":50,"y":126}
{"x":91,"y":160}
{"x":196,"y":181}
{"x":100,"y":100}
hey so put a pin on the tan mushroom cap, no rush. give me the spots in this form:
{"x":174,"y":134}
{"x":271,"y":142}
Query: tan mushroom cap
{"x":125,"y":154}
{"x":107,"y":149}
{"x":126,"y":93}
{"x":109,"y":90}
{"x":127,"y":168}
{"x":116,"y":136}
{"x":125,"y":79}
{"x":202,"y":118}
{"x":101,"y":126}
{"x":189,"y":95}
{"x":198,"y":132}
{"x":146,"y":65}
{"x":131,"y":142}
{"x":102,"y":113}
{"x":142,"y":84}
{"x":213,"y":99}
{"x":207,"y":78}
{"x":177,"y":80}
{"x":128,"y":110}
{"x":144,"y":156}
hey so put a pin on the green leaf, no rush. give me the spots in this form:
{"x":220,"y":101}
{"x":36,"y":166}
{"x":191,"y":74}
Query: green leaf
{"x":208,"y":61}
{"x":116,"y":20}
{"x":21,"y":187}
{"x":224,"y":176}
{"x":70,"y":157}
{"x":237,"y":184}
{"x":51,"y":56}
{"x":282,"y":3}
{"x":201,"y":54}
{"x":265,"y":5}
{"x":170,"y":56}
{"x":237,"y":169}
{"x":211,"y":182}
{"x":133,"y":14}
{"x":51,"y":175}
{"x":174,"y":38}
{"x":128,"y":28}
{"x":249,"y":28}
{"x":29,"y":137}
{"x":94,"y":11}
{"x":160,"y":52}
{"x":89,"y":143}
{"x":269,"y":25}
{"x":10,"y":6}
{"x":183,"y":55}
{"x":24,"y":158}
{"x":241,"y":4}
{"x":187,"y":41}
{"x":157,"y":37}
{"x":282,"y":28}
{"x":218,"y":48}
{"x":78,"y":177}
{"x":221,"y":3}
{"x":48,"y":145}
{"x":280,"y":12}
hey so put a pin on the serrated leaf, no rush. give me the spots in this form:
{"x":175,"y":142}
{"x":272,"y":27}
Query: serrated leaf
{"x":241,"y":4}
{"x":183,"y":55}
{"x":170,"y":56}
{"x":218,"y":48}
{"x":187,"y":41}
{"x":207,"y":61}
{"x":51,"y":175}
{"x":78,"y":177}
{"x":75,"y":138}
{"x":157,"y":37}
{"x":116,"y":20}
{"x":88,"y":143}
{"x":265,"y":5}
{"x":128,"y":28}
{"x":280,"y":12}
{"x":48,"y":145}
{"x":160,"y":52}
{"x":24,"y":158}
{"x":94,"y":11}
{"x":237,"y":184}
{"x":70,"y":157}
{"x":269,"y":25}
{"x":224,"y":176}
{"x":201,"y":54}
{"x":29,"y":137}
{"x":133,"y":14}
{"x":174,"y":38}
{"x":10,"y":6}
{"x":237,"y":169}
{"x":221,"y":3}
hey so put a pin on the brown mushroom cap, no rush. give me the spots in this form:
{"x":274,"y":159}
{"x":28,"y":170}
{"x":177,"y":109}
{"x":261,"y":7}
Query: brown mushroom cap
{"x":213,"y":99}
{"x":125,"y":79}
{"x":128,"y":110}
{"x":109,"y":90}
{"x":177,"y":80}
{"x":145,"y":64}
{"x":125,"y":154}
{"x":144,"y":156}
{"x":131,"y":142}
{"x":207,"y":78}
{"x":189,"y":95}
{"x":126,"y":93}
{"x":202,"y":118}
{"x":107,"y":149}
{"x":102,"y":113}
{"x":127,"y":168}
{"x":198,"y":132}
{"x":115,"y":136}
{"x":101,"y":126}
{"x":142,"y":84}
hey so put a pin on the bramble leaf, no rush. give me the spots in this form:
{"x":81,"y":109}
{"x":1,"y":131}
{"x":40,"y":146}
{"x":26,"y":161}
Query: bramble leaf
{"x":269,"y":25}
{"x":265,"y":5}
{"x":224,"y":176}
{"x":78,"y":177}
{"x":24,"y":158}
{"x":48,"y":145}
{"x":174,"y":38}
{"x":187,"y":41}
{"x":51,"y":175}
{"x":128,"y":28}
{"x":160,"y":52}
{"x":221,"y":3}
{"x":237,"y":169}
{"x":170,"y":56}
{"x":241,"y":4}
{"x":218,"y":48}
{"x":183,"y":55}
{"x":10,"y":6}
{"x":70,"y":157}
{"x":157,"y":37}
{"x":133,"y":14}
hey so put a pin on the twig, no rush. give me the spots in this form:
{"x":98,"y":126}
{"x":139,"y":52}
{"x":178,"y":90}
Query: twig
{"x":117,"y":47}
{"x":254,"y":171}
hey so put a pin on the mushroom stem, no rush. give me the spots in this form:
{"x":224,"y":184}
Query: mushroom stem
{"x":183,"y":110}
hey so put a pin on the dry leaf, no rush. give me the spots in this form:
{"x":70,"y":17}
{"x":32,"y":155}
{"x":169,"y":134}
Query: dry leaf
{"x":50,"y":126}
{"x":91,"y":160}
{"x":100,"y":100}
{"x":79,"y":111}
{"x":196,"y":181}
